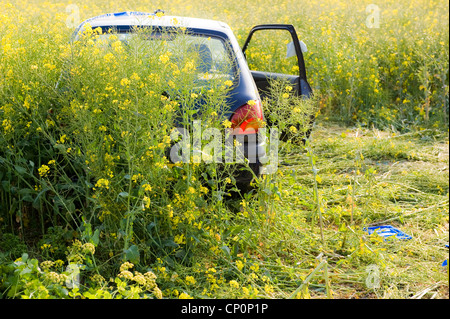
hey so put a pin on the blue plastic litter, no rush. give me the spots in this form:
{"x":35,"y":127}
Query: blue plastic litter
{"x":387,"y":231}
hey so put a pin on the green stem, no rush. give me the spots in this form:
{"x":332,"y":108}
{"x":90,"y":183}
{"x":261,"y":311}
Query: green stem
{"x":316,"y":190}
{"x":307,"y":280}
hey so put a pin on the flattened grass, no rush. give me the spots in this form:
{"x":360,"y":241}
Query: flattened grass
{"x":370,"y":177}
{"x":365,"y":177}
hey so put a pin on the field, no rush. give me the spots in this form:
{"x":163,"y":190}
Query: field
{"x":90,"y":207}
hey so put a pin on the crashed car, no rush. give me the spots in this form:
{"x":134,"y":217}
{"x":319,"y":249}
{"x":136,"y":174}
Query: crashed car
{"x":222,"y":47}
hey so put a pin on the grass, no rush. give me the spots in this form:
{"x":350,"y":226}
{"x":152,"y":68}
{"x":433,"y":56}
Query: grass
{"x":379,"y":178}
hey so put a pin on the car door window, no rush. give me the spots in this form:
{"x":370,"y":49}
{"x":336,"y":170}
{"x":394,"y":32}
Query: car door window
{"x":268,"y":52}
{"x":274,"y":52}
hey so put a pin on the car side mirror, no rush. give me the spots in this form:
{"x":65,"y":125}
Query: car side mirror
{"x":290,"y":48}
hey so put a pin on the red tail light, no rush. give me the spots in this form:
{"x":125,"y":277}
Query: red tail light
{"x":248,"y":118}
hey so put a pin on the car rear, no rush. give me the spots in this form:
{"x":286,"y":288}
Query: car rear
{"x":244,"y":112}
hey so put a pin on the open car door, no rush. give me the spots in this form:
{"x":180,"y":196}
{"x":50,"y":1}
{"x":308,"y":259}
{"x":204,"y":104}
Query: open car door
{"x":293,"y":49}
{"x":274,"y":52}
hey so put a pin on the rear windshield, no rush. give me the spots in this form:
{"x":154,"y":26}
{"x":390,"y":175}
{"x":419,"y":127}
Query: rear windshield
{"x":211,"y":55}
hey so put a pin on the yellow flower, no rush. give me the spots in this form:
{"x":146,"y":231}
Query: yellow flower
{"x":62,"y":139}
{"x":190,"y":280}
{"x":126,"y":274}
{"x":89,"y":248}
{"x":7,"y":125}
{"x":135,"y":77}
{"x":180,"y":239}
{"x":157,"y":292}
{"x":184,"y":296}
{"x":43,"y":170}
{"x":125,"y":82}
{"x":50,"y":66}
{"x":126,"y":265}
{"x":226,"y":124}
{"x":117,"y":46}
{"x":164,"y":58}
{"x":268,"y":289}
{"x":108,"y":57}
{"x":146,"y":202}
{"x":234,"y":284}
{"x":53,"y":277}
{"x":46,"y":246}
{"x":139,"y":278}
{"x":239,"y":265}
{"x":102,"y":183}
{"x":254,"y":267}
{"x":147,"y":187}
{"x":189,"y":66}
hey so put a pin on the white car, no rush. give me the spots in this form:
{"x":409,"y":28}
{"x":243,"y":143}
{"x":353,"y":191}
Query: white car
{"x":220,"y":50}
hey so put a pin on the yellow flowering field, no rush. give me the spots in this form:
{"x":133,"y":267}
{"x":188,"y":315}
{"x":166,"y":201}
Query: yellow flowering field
{"x":90,"y":207}
{"x":382,"y":63}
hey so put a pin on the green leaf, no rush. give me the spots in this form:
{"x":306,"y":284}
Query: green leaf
{"x":20,"y":169}
{"x":36,"y":201}
{"x":122,"y":195}
{"x":96,"y":237}
{"x":6,"y":186}
{"x":24,"y":257}
{"x":132,"y":254}
{"x":151,"y":226}
{"x":226,"y":250}
{"x":169,"y":243}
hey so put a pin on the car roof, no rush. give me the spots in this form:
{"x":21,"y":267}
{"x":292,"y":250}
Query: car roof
{"x":135,"y":18}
